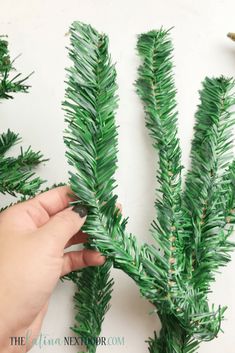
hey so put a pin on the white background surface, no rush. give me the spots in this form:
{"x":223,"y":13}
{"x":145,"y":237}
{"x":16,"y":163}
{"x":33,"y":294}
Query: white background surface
{"x":37,"y":30}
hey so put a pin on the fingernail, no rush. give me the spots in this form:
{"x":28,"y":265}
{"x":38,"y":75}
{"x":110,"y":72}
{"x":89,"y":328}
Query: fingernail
{"x":81,"y":210}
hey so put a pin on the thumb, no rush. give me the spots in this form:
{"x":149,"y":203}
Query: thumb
{"x":64,"y":225}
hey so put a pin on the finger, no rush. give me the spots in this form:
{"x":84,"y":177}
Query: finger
{"x":119,"y":206}
{"x":64,"y":225}
{"x":78,"y":238}
{"x":32,"y":214}
{"x":54,"y":200}
{"x":74,"y":260}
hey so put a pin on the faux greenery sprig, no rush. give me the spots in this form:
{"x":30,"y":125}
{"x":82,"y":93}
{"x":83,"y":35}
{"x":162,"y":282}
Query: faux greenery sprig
{"x":16,"y":173}
{"x":192,"y":225}
{"x":9,"y":83}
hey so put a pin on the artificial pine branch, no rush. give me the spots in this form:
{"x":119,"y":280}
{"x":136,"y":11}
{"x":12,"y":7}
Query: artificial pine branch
{"x":7,"y":140}
{"x":155,"y":86}
{"x":9,"y":84}
{"x":230,"y":193}
{"x":90,"y":103}
{"x":16,"y":173}
{"x":207,"y":184}
{"x":90,"y":282}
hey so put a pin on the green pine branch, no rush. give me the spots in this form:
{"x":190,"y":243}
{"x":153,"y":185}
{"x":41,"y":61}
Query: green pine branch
{"x":17,"y":176}
{"x":207,"y":188}
{"x":9,"y":83}
{"x":90,"y":105}
{"x":172,"y":339}
{"x":7,"y":140}
{"x":92,"y":302}
{"x":156,"y":88}
{"x":16,"y":173}
{"x":227,"y":198}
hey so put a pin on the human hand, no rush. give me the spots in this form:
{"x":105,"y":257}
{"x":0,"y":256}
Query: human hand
{"x":33,"y":236}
